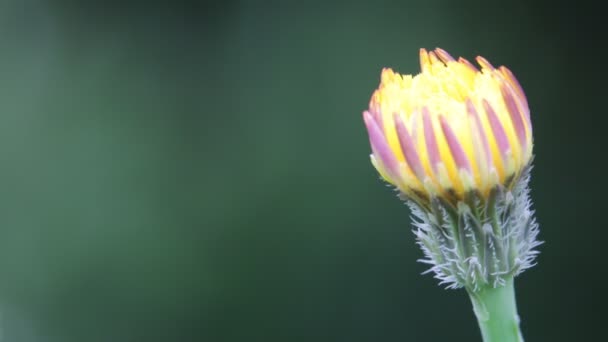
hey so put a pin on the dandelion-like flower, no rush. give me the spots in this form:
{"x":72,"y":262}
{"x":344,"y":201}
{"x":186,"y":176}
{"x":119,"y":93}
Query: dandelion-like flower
{"x":456,"y":142}
{"x":451,"y":129}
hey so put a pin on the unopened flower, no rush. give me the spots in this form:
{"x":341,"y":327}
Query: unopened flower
{"x":450,"y":129}
{"x":456,"y":141}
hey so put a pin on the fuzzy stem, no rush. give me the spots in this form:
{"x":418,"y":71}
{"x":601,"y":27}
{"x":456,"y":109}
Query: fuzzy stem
{"x":496,"y":313}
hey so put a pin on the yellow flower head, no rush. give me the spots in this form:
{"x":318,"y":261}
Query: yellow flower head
{"x":449,"y":130}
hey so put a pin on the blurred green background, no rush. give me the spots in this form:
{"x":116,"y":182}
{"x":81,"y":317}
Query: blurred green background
{"x":199,"y":171}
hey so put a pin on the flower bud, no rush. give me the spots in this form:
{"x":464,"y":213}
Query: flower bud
{"x":456,"y":141}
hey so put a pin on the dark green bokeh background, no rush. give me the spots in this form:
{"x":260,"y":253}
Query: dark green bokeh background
{"x":199,"y":171}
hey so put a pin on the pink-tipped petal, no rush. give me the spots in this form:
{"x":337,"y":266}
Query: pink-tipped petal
{"x":380,"y":146}
{"x":499,"y":131}
{"x":430,"y":139}
{"x":515,"y":83}
{"x":469,"y":64}
{"x":482,"y":135}
{"x":521,"y":96}
{"x":409,"y":149}
{"x":377,"y":115}
{"x":518,"y":122}
{"x":443,"y":55}
{"x":484,"y":63}
{"x":460,"y":158}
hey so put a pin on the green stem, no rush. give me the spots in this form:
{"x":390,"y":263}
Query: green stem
{"x":496,"y":313}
